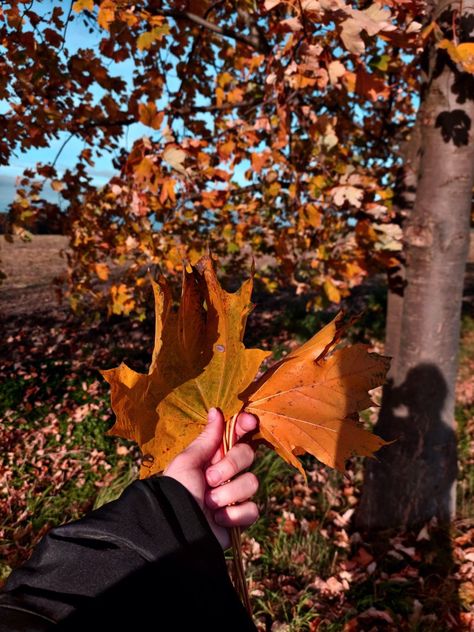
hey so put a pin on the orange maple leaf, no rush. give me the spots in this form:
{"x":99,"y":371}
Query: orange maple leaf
{"x":308,"y":402}
{"x":199,"y":361}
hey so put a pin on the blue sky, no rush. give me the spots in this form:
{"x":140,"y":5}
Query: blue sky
{"x":77,"y":36}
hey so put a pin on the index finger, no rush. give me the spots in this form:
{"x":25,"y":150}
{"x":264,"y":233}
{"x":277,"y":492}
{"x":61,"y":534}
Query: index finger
{"x":246,"y":422}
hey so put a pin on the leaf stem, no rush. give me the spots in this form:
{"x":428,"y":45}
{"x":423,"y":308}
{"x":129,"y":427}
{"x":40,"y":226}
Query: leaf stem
{"x":239,"y":580}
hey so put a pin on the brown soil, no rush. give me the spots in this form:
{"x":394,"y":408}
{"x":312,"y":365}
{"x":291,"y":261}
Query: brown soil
{"x":30,"y":269}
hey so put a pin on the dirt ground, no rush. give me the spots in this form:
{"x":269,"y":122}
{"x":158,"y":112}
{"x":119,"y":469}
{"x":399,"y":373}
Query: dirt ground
{"x":31,"y":267}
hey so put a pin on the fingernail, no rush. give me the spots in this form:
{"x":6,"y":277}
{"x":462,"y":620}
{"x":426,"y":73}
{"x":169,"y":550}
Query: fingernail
{"x":212,"y":414}
{"x":213,"y":477}
{"x":212,"y":500}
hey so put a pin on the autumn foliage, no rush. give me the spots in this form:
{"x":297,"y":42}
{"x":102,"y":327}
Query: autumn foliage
{"x":274,"y":127}
{"x":308,"y":402}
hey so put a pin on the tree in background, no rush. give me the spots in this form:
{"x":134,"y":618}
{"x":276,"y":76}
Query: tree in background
{"x":269,"y":127}
{"x":418,"y":403}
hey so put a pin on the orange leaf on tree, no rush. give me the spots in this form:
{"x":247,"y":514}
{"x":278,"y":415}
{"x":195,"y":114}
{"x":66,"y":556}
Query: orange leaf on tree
{"x":83,"y":5}
{"x":106,"y":14}
{"x":148,"y":115}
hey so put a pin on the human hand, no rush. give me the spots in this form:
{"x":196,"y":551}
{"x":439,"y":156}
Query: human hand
{"x":204,"y":471}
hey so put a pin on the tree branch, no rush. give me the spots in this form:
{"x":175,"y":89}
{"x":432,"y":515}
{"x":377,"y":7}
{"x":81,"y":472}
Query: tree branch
{"x":187,"y":109}
{"x":253,"y":42}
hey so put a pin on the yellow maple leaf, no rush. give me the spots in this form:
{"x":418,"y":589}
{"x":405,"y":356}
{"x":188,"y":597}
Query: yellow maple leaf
{"x":122,"y":299}
{"x":462,"y":54}
{"x":332,"y":291}
{"x":106,"y":14}
{"x":307,"y":402}
{"x":144,"y":169}
{"x":199,"y":361}
{"x":147,"y":39}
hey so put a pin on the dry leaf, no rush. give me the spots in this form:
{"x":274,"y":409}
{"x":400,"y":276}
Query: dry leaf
{"x":336,"y":70}
{"x":373,"y":19}
{"x":102,"y":270}
{"x":343,"y":193}
{"x":175,"y":156}
{"x":199,"y":361}
{"x":307,"y":402}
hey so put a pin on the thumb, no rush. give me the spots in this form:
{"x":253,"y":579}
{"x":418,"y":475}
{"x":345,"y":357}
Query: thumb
{"x":203,"y":448}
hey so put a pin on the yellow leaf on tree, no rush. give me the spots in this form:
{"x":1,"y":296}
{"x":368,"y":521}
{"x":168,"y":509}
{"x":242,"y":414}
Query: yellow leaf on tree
{"x":466,"y":56}
{"x":122,"y":299}
{"x":83,"y":5}
{"x":311,"y":215}
{"x":462,"y":54}
{"x":144,"y":169}
{"x":147,"y":39}
{"x":308,"y":402}
{"x":332,"y":291}
{"x":106,"y":14}
{"x":224,"y":79}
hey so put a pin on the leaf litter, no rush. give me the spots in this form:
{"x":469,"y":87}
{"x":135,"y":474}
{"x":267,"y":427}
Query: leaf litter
{"x":53,"y":361}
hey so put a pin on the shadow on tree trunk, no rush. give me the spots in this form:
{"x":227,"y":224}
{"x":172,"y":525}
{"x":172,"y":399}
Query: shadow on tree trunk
{"x":424,"y":455}
{"x":422,"y":464}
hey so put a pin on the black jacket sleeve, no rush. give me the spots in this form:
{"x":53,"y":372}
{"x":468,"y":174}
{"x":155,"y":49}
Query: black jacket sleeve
{"x":147,"y":559}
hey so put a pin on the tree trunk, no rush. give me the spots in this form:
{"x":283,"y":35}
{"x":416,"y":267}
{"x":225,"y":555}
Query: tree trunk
{"x":414,"y":479}
{"x":404,"y":201}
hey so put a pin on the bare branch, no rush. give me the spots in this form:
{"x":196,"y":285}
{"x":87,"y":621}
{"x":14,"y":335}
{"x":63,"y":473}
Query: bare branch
{"x":187,"y":109}
{"x":252,"y":41}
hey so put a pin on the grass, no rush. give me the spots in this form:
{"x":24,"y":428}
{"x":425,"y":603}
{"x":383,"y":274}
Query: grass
{"x":464,"y":415}
{"x":465,"y":485}
{"x":61,"y":464}
{"x":117,"y":485}
{"x":56,"y":455}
